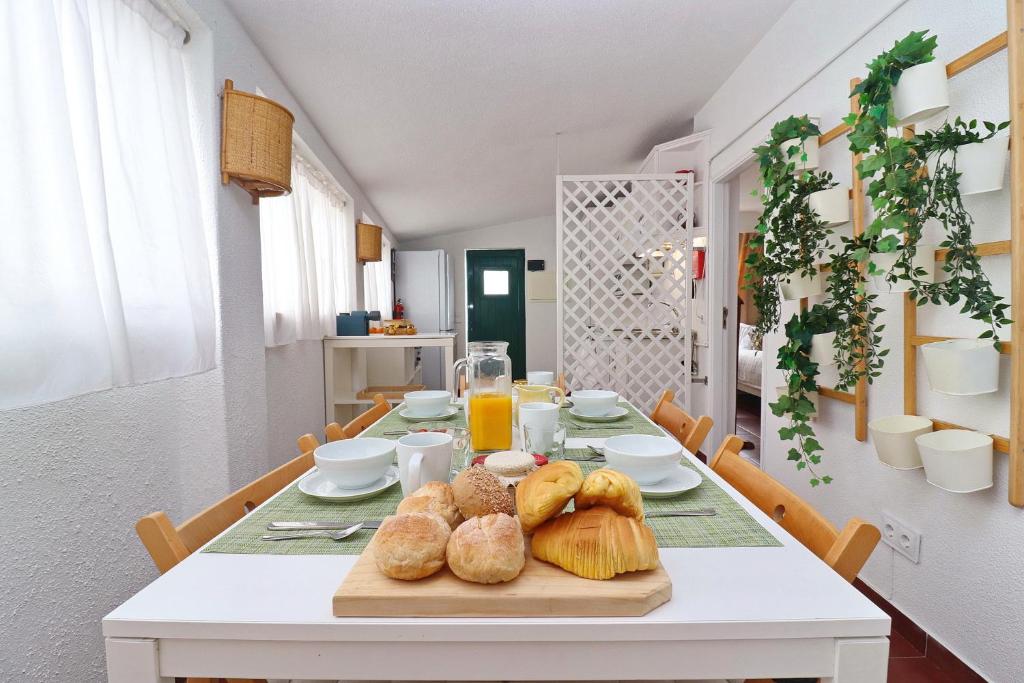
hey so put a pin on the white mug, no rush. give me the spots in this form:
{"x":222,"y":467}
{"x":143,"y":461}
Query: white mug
{"x":545,"y":377}
{"x":542,"y":416}
{"x":423,"y":457}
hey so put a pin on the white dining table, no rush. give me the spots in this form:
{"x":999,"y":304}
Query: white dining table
{"x":735,"y":613}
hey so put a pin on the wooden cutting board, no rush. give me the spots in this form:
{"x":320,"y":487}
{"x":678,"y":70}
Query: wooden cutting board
{"x":541,"y":590}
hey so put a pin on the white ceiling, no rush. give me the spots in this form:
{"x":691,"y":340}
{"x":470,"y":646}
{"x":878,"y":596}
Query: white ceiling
{"x":445,"y":111}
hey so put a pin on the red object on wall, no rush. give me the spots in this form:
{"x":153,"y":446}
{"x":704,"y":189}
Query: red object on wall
{"x":398,"y":312}
{"x":698,"y":264}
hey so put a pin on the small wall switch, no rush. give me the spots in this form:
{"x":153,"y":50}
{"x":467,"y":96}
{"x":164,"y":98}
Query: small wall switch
{"x":901,"y":538}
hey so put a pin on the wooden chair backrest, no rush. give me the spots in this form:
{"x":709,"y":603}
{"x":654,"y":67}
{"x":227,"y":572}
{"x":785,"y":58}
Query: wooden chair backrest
{"x":380,"y":408}
{"x":845,"y":551}
{"x":334,"y":432}
{"x":690,"y":431}
{"x":168,"y":545}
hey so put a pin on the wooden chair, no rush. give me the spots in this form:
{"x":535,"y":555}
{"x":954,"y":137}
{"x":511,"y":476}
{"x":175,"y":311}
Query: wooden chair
{"x":689,"y":431}
{"x":380,"y":408}
{"x":845,"y":551}
{"x":168,"y":545}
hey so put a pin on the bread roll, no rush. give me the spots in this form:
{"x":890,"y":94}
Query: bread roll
{"x":596,"y":543}
{"x":411,"y":546}
{"x":478,"y":492}
{"x":487,"y":549}
{"x":614,"y":489}
{"x":436,"y":497}
{"x":544,"y":493}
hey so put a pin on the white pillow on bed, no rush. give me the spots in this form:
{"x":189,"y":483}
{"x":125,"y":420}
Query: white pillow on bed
{"x":745,"y":339}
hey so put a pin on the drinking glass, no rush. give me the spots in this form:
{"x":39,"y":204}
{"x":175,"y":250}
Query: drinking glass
{"x":543,"y":439}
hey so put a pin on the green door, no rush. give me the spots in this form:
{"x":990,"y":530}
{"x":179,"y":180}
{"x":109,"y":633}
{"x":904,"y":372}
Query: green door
{"x":496,"y":301}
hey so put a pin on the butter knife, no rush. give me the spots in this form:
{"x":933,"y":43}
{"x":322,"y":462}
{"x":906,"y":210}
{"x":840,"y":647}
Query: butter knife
{"x":321,"y":525}
{"x":699,"y":512}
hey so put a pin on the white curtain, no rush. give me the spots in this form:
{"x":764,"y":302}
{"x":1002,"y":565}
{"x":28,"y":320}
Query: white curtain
{"x":305,"y":240}
{"x":104,"y":271}
{"x":377,"y":282}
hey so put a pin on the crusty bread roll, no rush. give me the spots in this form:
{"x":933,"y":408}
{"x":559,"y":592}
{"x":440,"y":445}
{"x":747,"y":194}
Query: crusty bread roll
{"x":596,"y":543}
{"x":436,"y":497}
{"x":616,"y":490}
{"x":487,"y":549}
{"x":478,"y":492}
{"x":544,"y":492}
{"x":411,"y":546}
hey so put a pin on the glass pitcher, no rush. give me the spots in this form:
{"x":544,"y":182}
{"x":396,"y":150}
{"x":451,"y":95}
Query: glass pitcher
{"x":488,"y":394}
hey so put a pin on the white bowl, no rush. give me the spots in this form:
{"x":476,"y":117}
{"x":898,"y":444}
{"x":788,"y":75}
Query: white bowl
{"x":894,"y":437}
{"x":595,"y":402}
{"x":957,"y":460}
{"x":427,"y":403}
{"x":648,"y":459}
{"x":354,"y":463}
{"x":962,"y":367}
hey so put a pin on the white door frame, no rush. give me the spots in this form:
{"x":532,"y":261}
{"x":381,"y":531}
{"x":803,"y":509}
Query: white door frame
{"x":723,"y":244}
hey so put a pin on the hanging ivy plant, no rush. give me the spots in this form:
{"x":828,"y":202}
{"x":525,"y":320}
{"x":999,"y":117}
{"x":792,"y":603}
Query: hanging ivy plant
{"x":790,"y":237}
{"x":965,"y":280}
{"x":857,"y":336}
{"x":801,"y":374}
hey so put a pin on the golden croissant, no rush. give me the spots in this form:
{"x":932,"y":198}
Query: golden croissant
{"x":596,"y":543}
{"x":614,"y":489}
{"x":545,"y":492}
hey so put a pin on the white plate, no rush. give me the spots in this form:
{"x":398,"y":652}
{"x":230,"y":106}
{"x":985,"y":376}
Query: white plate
{"x":681,"y":480}
{"x":617,"y":413}
{"x":449,"y":413}
{"x":317,"y":485}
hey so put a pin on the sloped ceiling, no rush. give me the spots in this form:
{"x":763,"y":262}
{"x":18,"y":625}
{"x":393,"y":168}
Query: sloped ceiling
{"x":445,"y":113}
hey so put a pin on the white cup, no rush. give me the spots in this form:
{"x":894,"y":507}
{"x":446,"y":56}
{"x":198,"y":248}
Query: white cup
{"x":545,"y":377}
{"x":423,"y":457}
{"x":427,"y":403}
{"x":540,"y":416}
{"x":595,"y":402}
{"x":354,"y":463}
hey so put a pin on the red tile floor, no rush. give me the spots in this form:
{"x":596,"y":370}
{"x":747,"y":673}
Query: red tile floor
{"x":907,"y":664}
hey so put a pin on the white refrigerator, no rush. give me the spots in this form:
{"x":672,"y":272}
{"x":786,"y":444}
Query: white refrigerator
{"x":423,"y":281}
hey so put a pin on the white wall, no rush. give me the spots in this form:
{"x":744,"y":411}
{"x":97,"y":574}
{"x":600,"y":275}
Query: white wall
{"x":966,"y":589}
{"x":85,"y":469}
{"x":537,"y":237}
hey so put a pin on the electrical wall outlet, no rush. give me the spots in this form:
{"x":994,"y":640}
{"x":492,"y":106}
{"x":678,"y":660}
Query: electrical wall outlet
{"x":901,"y":538}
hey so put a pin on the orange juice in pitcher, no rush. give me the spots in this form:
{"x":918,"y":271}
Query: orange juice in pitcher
{"x":490,"y":422}
{"x":489,"y":390}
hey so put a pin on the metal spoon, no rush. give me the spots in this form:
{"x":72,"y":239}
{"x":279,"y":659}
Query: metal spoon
{"x":333,"y":535}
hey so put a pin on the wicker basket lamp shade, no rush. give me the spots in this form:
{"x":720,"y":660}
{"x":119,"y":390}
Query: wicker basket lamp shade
{"x":368,"y":242}
{"x":256,"y":144}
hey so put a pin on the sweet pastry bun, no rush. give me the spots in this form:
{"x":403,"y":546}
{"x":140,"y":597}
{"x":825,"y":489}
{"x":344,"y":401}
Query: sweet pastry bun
{"x":596,"y":543}
{"x":614,"y":489}
{"x":487,"y":549}
{"x":411,"y":546}
{"x":478,"y":492}
{"x":545,"y":492}
{"x":436,"y":497}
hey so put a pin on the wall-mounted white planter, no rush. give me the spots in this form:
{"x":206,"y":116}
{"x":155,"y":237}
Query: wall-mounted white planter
{"x":957,"y":460}
{"x":962,"y":367}
{"x":810,"y":147}
{"x":799,"y":287}
{"x":894,"y":439}
{"x":981,"y":165}
{"x":822,"y":348}
{"x":832,"y":206}
{"x":812,"y":396}
{"x":924,"y":258}
{"x":921,"y":93}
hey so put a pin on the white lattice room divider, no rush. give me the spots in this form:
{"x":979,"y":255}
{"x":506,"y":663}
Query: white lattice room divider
{"x":624,"y":299}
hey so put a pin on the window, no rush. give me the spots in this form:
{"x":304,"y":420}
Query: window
{"x":305,"y":239}
{"x":377,"y":289}
{"x":495,"y":283}
{"x":104,"y":265}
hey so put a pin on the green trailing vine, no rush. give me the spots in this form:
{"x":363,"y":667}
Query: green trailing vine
{"x":790,"y":238}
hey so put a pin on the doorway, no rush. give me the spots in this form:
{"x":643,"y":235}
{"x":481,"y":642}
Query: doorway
{"x":496,"y":301}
